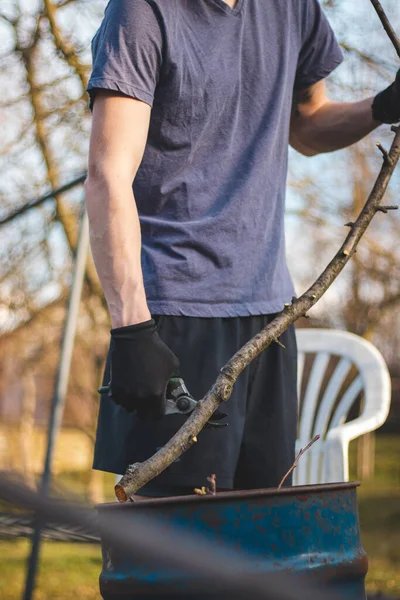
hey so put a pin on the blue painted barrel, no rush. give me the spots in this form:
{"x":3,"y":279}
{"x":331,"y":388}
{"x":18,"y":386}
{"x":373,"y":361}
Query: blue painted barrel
{"x":312,"y":531}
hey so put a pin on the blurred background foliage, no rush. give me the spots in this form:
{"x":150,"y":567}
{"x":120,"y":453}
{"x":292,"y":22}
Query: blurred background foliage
{"x":45,"y":122}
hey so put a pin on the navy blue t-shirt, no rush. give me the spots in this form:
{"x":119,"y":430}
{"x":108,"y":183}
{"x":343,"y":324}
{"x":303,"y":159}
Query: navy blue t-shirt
{"x":210,"y":189}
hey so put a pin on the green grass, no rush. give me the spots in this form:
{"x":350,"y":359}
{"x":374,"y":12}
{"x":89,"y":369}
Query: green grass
{"x":380,"y":534}
{"x":70,"y":571}
{"x":379,"y":508}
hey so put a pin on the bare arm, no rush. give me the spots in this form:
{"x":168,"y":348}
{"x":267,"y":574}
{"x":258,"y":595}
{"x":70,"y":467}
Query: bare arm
{"x":319,"y":125}
{"x":118,"y":138}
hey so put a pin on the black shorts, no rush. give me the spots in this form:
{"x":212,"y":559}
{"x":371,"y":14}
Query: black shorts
{"x":254,"y":451}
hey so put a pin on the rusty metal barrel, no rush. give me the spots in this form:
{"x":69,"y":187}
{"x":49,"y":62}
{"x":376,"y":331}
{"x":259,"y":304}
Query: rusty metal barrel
{"x":310,"y":531}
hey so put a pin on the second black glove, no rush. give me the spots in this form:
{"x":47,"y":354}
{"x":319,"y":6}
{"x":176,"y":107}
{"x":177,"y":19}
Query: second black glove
{"x":386,"y":105}
{"x":141,"y":367}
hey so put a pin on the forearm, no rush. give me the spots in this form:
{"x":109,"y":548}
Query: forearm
{"x":116,"y":247}
{"x":333,"y":126}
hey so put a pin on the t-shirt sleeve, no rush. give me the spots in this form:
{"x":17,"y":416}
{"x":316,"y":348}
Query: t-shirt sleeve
{"x":320,"y":53}
{"x":127,"y":51}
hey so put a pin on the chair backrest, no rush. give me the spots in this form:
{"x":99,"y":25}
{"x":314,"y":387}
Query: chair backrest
{"x":345,"y":366}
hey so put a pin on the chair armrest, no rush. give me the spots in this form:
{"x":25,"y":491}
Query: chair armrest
{"x":357,"y":427}
{"x":336,"y":450}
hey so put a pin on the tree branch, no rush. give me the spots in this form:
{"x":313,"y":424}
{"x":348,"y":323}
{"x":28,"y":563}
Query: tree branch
{"x":138,"y":474}
{"x":64,"y":215}
{"x":298,"y":457}
{"x":65,"y":48}
{"x":387,"y":25}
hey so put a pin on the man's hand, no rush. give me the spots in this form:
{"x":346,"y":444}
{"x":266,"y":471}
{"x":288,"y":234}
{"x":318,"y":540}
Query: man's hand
{"x":386,"y":105}
{"x":141,"y":367}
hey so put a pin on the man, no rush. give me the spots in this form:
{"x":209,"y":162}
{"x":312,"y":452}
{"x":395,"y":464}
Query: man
{"x":195,"y":102}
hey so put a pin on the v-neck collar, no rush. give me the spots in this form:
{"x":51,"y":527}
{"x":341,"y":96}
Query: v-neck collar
{"x":228,"y":9}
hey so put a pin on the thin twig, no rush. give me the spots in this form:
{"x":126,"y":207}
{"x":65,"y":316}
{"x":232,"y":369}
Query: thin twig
{"x":280,"y":344}
{"x":213,"y":481}
{"x":298,"y":457}
{"x":387,"y":25}
{"x":384,"y":151}
{"x":385,"y":209}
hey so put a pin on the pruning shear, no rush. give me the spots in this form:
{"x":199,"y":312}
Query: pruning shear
{"x":179,"y":401}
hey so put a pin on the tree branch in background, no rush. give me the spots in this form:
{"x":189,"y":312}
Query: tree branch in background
{"x":65,"y":216}
{"x":66,"y":49}
{"x":138,"y":474}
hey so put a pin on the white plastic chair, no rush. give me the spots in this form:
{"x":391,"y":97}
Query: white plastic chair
{"x":321,"y":411}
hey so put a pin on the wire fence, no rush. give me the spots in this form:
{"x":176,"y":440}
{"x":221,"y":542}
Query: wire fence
{"x":14,"y":526}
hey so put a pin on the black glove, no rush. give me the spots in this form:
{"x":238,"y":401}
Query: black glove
{"x":386,"y":105}
{"x":141,"y":367}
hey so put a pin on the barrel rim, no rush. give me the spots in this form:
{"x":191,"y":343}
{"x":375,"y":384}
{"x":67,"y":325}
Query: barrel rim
{"x":301,"y":490}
